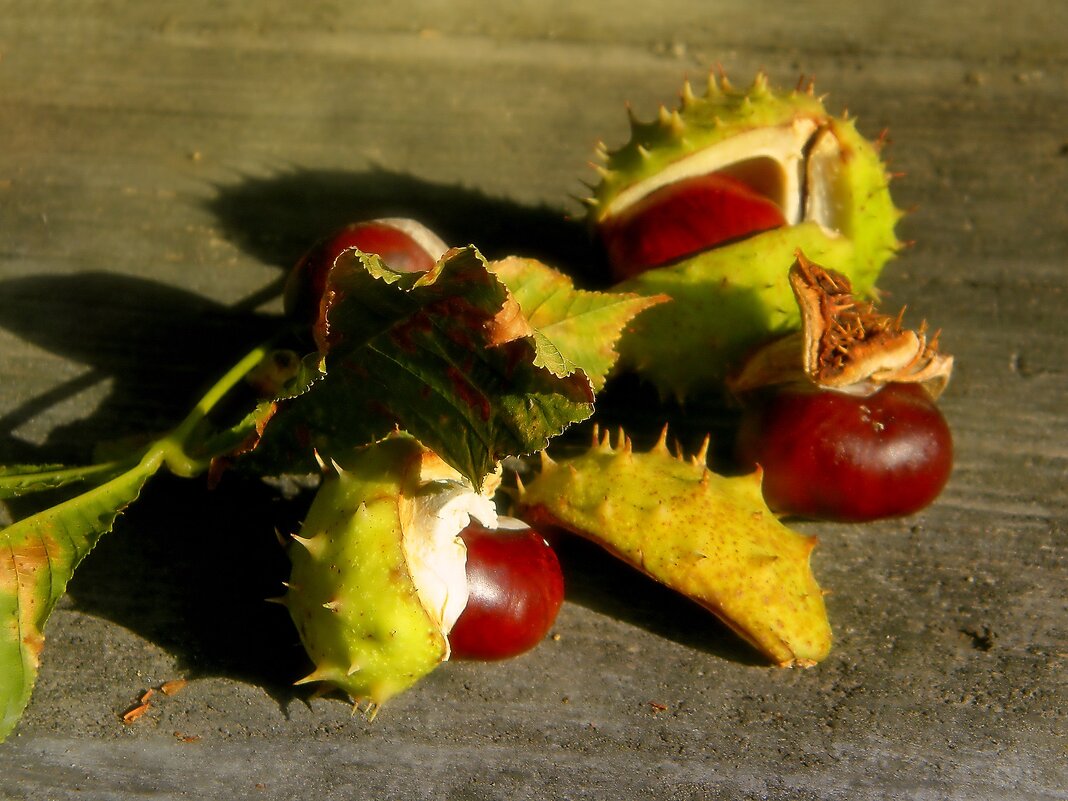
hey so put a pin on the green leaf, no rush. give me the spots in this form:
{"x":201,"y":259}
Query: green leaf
{"x":547,"y":355}
{"x":38,"y":556}
{"x":584,"y":326}
{"x":18,"y":480}
{"x":446,"y":355}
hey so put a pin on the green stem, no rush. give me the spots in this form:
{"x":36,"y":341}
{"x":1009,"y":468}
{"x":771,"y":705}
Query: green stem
{"x":173,"y":447}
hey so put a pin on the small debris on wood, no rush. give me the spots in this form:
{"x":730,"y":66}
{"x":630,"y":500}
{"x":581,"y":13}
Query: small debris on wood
{"x":173,"y":687}
{"x":983,"y":639}
{"x":132,"y":715}
{"x":143,"y":704}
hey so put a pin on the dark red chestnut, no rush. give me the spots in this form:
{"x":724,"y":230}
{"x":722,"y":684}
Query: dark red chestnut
{"x":404,"y":245}
{"x":836,"y":456}
{"x":515,"y":590}
{"x":685,"y":218}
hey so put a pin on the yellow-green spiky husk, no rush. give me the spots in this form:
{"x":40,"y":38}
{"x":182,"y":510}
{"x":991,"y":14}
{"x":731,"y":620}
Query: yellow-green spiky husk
{"x":729,"y":298}
{"x":350,"y":593}
{"x":709,"y":537}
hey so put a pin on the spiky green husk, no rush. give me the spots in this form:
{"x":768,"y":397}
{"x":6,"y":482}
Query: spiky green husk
{"x":709,"y":537}
{"x":351,"y":594}
{"x":729,"y":298}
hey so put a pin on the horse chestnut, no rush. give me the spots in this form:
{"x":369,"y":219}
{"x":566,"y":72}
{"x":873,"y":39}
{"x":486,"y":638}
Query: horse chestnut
{"x":404,"y":245}
{"x":684,"y":218}
{"x":515,"y":589}
{"x":838,"y":456}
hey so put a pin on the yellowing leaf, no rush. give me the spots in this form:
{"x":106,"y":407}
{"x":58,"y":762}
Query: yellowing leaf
{"x":584,"y":326}
{"x":38,"y":556}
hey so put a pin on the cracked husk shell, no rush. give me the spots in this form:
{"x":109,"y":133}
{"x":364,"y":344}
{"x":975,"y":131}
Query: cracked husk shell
{"x":709,"y":537}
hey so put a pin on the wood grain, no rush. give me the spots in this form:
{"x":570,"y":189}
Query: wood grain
{"x":162,"y":163}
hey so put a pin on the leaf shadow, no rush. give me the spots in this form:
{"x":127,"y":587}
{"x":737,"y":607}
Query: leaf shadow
{"x":192,"y":570}
{"x":153,"y":344}
{"x":277,"y":218}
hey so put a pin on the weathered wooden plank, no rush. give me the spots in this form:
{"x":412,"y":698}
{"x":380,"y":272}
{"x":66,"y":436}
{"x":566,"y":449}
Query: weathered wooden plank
{"x":162,"y":163}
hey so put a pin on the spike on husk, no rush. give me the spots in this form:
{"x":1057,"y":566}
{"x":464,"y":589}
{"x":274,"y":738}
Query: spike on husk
{"x":709,"y":537}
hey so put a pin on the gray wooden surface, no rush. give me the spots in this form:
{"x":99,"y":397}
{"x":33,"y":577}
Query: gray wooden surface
{"x":160,"y":163}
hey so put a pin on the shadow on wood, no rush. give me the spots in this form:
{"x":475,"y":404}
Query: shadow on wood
{"x":191,"y":569}
{"x":157,"y":345}
{"x":277,"y":219}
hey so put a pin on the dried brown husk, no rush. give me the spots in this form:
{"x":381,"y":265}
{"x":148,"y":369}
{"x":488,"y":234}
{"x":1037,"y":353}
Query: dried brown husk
{"x":844,"y":344}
